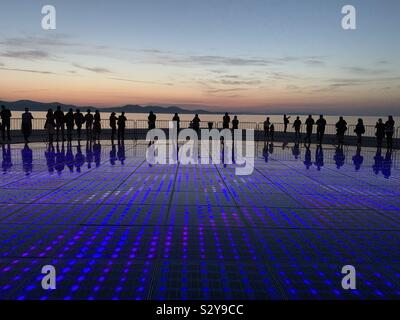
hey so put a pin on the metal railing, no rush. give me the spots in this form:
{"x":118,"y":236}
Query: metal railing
{"x":330,"y":129}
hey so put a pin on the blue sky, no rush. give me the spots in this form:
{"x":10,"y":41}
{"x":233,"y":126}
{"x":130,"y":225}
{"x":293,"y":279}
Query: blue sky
{"x":260,"y":55}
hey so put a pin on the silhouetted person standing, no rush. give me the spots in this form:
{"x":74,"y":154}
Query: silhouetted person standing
{"x":321,"y":125}
{"x":177,"y":120}
{"x":50,"y":125}
{"x":196,"y":123}
{"x":26,"y":125}
{"x":341,"y":128}
{"x":389,"y":130}
{"x":285,"y":122}
{"x":380,"y":132}
{"x":235,"y":123}
{"x":113,"y":126}
{"x":97,"y":126}
{"x":309,"y":128}
{"x":267,"y":125}
{"x":79,"y":121}
{"x":152,"y":120}
{"x":121,"y":128}
{"x":359,"y":131}
{"x":5,"y":116}
{"x":60,"y":123}
{"x":297,"y":128}
{"x":89,"y":125}
{"x":70,"y":123}
{"x":226,"y":120}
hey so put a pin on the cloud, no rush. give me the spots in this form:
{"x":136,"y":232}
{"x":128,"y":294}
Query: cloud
{"x":92,"y":69}
{"x":365,"y":71}
{"x":28,"y":70}
{"x":58,"y":39}
{"x":314,"y":62}
{"x":26,"y":55}
{"x":2,"y":64}
{"x":142,"y":81}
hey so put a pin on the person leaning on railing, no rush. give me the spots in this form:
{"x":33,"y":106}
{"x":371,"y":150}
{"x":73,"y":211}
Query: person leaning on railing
{"x":389,"y":131}
{"x":26,"y":125}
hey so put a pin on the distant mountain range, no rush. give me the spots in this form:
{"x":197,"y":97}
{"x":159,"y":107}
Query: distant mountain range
{"x":20,"y":105}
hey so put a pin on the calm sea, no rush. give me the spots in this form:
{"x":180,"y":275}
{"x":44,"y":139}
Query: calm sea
{"x":368,"y":120}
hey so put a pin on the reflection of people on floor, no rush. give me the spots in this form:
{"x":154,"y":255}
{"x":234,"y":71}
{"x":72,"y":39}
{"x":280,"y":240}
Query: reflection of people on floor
{"x":97,"y":154}
{"x":79,"y":159}
{"x":265,"y":152}
{"x":319,"y":157}
{"x":307,"y":157}
{"x":89,"y":155}
{"x":69,"y":158}
{"x":121,"y":153}
{"x":387,"y":165}
{"x":358,"y":159}
{"x":6,"y":164}
{"x":60,"y":159}
{"x":50,"y":158}
{"x":296,"y":150}
{"x":271,"y":148}
{"x":113,"y":155}
{"x":27,"y":159}
{"x":378,"y":160}
{"x":339,"y":157}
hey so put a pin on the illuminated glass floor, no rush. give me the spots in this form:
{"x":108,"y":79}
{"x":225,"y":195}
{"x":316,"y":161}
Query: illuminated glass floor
{"x":116,"y":228}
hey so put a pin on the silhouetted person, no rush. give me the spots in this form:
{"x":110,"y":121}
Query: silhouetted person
{"x":226,"y":120}
{"x":235,"y":123}
{"x":359,"y":131}
{"x":152,"y":120}
{"x":97,"y":126}
{"x":79,"y":121}
{"x":196,"y":123}
{"x":297,"y":128}
{"x":60,"y":123}
{"x":89,"y":125}
{"x":341,"y":128}
{"x":309,"y":128}
{"x":272,"y":132}
{"x":307,"y":157}
{"x":70,"y":123}
{"x":319,"y":157}
{"x":177,"y":120}
{"x":387,"y":164}
{"x":50,"y":125}
{"x":121,"y":128}
{"x":267,"y":125}
{"x":358,"y":159}
{"x":26,"y":125}
{"x":6,"y":164}
{"x":339,"y":157}
{"x":27,"y":159}
{"x":296,"y":150}
{"x":380,"y":132}
{"x":113,"y":126}
{"x":5,"y":116}
{"x":285,"y":122}
{"x":321,"y":125}
{"x":389,"y":130}
{"x":378,"y":160}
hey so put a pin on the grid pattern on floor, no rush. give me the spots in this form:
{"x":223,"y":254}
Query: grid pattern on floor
{"x":117,"y":228}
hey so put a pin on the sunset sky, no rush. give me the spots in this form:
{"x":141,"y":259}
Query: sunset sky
{"x":217,"y":54}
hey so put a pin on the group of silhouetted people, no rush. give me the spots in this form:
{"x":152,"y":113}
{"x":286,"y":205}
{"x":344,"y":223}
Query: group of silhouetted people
{"x":383,"y":130}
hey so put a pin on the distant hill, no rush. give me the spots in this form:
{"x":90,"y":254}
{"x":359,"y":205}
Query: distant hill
{"x":20,"y":105}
